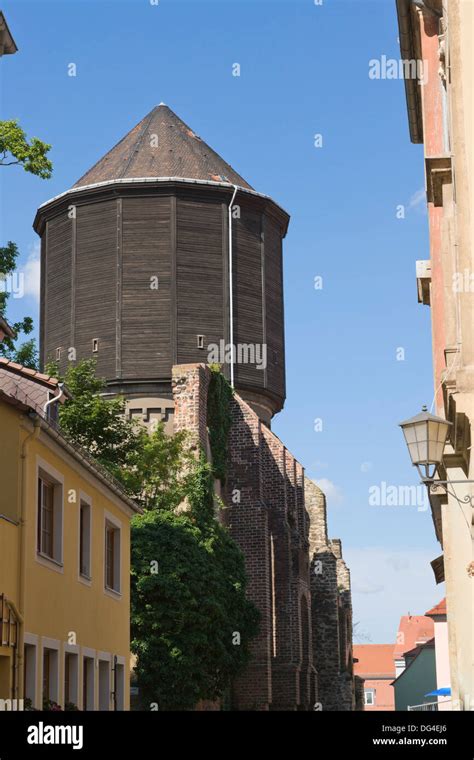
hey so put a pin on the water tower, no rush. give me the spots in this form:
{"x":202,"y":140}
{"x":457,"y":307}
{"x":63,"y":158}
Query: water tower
{"x":135,"y":269}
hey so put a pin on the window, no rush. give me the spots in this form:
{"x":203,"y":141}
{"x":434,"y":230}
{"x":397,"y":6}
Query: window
{"x":88,"y":683}
{"x":50,"y":675}
{"x":95,"y":345}
{"x":369,"y":696}
{"x":70,"y":678}
{"x":119,"y":672}
{"x":58,"y":354}
{"x":200,"y":341}
{"x":85,"y":539}
{"x":104,"y":685}
{"x":30,"y":673}
{"x":112,"y":557}
{"x":49,"y":518}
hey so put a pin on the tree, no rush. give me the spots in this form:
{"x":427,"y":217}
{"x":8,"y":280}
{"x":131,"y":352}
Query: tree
{"x":27,"y":353}
{"x":96,"y":423}
{"x":16,"y":150}
{"x":191,"y":621}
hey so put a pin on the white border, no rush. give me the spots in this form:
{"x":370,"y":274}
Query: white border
{"x":109,"y":518}
{"x":52,"y":564}
{"x":86,"y":580}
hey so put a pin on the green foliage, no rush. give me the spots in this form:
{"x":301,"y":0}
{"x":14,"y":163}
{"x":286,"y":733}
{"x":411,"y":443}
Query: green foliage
{"x":152,"y":467}
{"x":95,"y":422}
{"x":219,"y":420}
{"x":15,"y":149}
{"x":191,"y":621}
{"x":27,"y":352}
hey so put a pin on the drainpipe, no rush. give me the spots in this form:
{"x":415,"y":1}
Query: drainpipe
{"x":54,"y":399}
{"x":22,"y":563}
{"x":231,"y":304}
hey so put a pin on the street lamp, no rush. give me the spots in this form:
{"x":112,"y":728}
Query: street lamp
{"x":425,"y":436}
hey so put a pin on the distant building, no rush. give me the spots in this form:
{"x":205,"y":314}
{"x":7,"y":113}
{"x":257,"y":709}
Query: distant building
{"x":443,"y":675}
{"x":374,"y":663}
{"x":417,"y":679}
{"x":64,"y":558}
{"x":412,"y":631}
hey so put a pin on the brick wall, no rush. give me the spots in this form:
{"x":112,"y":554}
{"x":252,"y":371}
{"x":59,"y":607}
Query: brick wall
{"x":331,"y":608}
{"x":279,"y":522}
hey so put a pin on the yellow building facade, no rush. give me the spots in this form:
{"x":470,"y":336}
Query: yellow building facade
{"x":64,"y":560}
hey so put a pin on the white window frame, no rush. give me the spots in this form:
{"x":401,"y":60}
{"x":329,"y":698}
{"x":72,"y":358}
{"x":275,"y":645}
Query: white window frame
{"x":47,"y":472}
{"x":86,"y":579}
{"x":113,"y":522}
{"x":366,"y":694}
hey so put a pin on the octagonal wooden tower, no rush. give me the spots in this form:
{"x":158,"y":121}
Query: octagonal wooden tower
{"x":134,"y":269}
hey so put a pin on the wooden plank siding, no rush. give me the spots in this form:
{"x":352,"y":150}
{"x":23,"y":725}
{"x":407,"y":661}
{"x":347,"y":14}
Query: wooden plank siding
{"x":96,"y":274}
{"x":274,"y":309}
{"x":57,"y":304}
{"x":199,"y":262}
{"x":146,"y":253}
{"x":247,"y":292}
{"x":95,"y":283}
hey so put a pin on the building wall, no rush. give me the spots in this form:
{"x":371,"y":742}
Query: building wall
{"x":61,"y":610}
{"x":331,"y":609}
{"x":443,"y":676}
{"x":416,"y":680}
{"x":448,"y":133}
{"x":384,"y":694}
{"x":265,"y":513}
{"x":144,"y":271}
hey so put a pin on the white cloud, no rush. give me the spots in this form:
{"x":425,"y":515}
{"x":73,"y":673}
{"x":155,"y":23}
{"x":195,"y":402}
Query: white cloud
{"x":388,"y":583}
{"x":31,"y":272}
{"x":418,"y":199}
{"x":334,"y":494}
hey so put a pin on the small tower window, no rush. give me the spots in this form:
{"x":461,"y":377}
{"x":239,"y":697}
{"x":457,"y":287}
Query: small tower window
{"x":95,"y":345}
{"x":200,"y":341}
{"x":58,"y":354}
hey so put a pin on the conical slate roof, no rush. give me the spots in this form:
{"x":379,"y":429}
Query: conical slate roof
{"x":161,"y":145}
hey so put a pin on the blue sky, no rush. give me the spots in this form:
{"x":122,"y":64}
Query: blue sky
{"x":304,"y":71}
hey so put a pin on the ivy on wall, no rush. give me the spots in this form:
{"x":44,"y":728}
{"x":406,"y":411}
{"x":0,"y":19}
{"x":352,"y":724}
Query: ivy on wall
{"x":219,"y":420}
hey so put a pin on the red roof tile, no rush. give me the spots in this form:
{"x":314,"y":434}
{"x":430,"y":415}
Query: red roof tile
{"x":19,"y":369}
{"x":374,"y":660}
{"x":413,"y":630}
{"x":438,"y":609}
{"x":26,"y":386}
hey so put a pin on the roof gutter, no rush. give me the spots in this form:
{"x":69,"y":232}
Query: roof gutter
{"x":159,"y":180}
{"x":412,"y":87}
{"x":77,"y":453}
{"x":231,"y":300}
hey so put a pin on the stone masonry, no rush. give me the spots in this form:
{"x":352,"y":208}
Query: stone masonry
{"x":302,"y":656}
{"x":331,"y":609}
